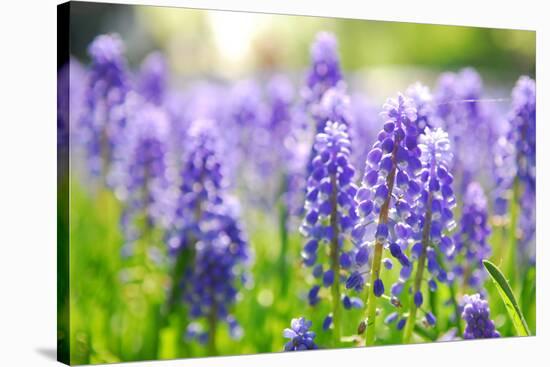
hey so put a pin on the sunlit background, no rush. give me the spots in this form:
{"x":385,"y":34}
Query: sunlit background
{"x":383,"y":56}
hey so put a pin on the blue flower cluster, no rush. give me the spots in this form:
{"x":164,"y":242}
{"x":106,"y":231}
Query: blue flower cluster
{"x":301,"y":338}
{"x":201,"y":185}
{"x":514,"y":166}
{"x":460,"y":109}
{"x":522,"y":135}
{"x":211,"y":283}
{"x":476,"y":313}
{"x":425,"y":110}
{"x":144,"y":174}
{"x":330,"y":208}
{"x":324,"y":72}
{"x":107,"y":86}
{"x":207,"y":226}
{"x":382,"y":200}
{"x":153,"y":78}
{"x":433,"y":217}
{"x":471,"y":240}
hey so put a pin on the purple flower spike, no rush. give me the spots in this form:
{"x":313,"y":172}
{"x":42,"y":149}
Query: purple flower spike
{"x":471,"y":241}
{"x":325,"y":70}
{"x":433,"y":215}
{"x":143,"y":174}
{"x":515,"y":165}
{"x":330,"y":213}
{"x":476,"y":313}
{"x":103,"y":118}
{"x":391,"y":170}
{"x":207,"y":227}
{"x":153,"y":78}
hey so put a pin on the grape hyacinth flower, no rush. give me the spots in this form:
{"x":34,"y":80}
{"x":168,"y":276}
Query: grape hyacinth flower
{"x":471,"y":240}
{"x":434,"y":216}
{"x":144,"y":174}
{"x":301,"y":338}
{"x":246,"y":115}
{"x":71,"y":86}
{"x":365,"y":124}
{"x":476,"y":313}
{"x":212,"y":281}
{"x":423,"y":101}
{"x":201,"y":185}
{"x":335,"y":106}
{"x":107,"y":87}
{"x":324,"y":72}
{"x":323,"y":76}
{"x":522,"y":136}
{"x":274,"y":139}
{"x":389,"y":179}
{"x":281,"y":160}
{"x":153,"y":78}
{"x":330,"y":211}
{"x":208,"y":237}
{"x":460,"y":109}
{"x":200,"y":101}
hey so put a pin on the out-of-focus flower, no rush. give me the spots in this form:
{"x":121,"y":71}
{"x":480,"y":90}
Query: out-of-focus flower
{"x":143,"y":173}
{"x":424,"y":103}
{"x":201,"y":184}
{"x":212,"y":281}
{"x":324,"y":72}
{"x":461,"y":110}
{"x":363,"y":130}
{"x":522,"y":134}
{"x":471,"y":246}
{"x":108,"y":84}
{"x":208,"y":230}
{"x":153,"y":78}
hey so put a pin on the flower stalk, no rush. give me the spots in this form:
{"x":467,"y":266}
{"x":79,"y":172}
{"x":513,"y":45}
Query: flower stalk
{"x":409,"y":326}
{"x":335,"y":261}
{"x":377,"y":258}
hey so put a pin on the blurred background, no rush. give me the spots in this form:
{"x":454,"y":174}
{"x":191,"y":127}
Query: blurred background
{"x":231,"y":45}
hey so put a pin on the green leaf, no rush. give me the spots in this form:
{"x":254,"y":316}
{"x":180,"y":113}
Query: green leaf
{"x":508,"y":298}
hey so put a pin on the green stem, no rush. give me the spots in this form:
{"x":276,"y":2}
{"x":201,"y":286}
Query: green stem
{"x":335,"y":262}
{"x":512,"y":234}
{"x":456,"y":307}
{"x":433,"y":306}
{"x":212,"y":329}
{"x":419,"y":271}
{"x":377,"y":258}
{"x":283,"y":219}
{"x":371,"y":298}
{"x":452,"y":291}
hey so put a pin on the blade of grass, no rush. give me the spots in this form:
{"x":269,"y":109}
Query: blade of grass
{"x":508,"y":298}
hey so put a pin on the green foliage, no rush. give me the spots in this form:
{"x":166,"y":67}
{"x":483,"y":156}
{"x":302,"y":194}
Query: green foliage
{"x":508,"y":298}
